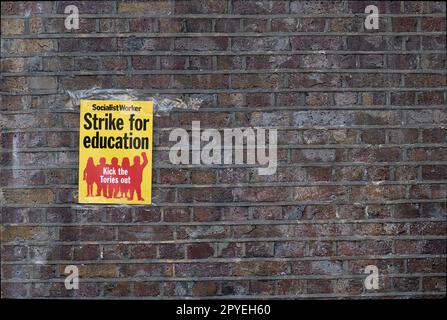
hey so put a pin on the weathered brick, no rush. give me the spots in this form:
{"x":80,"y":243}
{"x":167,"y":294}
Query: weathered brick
{"x":113,"y":25}
{"x":147,"y":289}
{"x":19,"y":8}
{"x":142,"y":25}
{"x":260,"y":268}
{"x":145,"y":233}
{"x":316,"y":43}
{"x":11,"y":233}
{"x":200,"y":44}
{"x":194,"y":6}
{"x":260,"y":44}
{"x":146,"y":270}
{"x":201,"y":81}
{"x":28,"y":196}
{"x":199,"y":251}
{"x":205,"y":288}
{"x":228,"y":25}
{"x":171,"y":251}
{"x":176,"y":215}
{"x":87,"y":7}
{"x":256,"y":81}
{"x":42,"y":83}
{"x":12,"y":26}
{"x":259,"y":7}
{"x":152,"y":7}
{"x":404,"y":24}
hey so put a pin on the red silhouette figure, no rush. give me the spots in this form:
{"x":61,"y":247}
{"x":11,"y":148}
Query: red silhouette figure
{"x":113,"y":188}
{"x":102,"y":186}
{"x":91,"y":176}
{"x":124,"y":187}
{"x":136,"y":176}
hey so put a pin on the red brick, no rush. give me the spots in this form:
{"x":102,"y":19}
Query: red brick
{"x":142,"y":251}
{"x":176,"y":214}
{"x":194,"y":6}
{"x":203,"y":177}
{"x":143,"y":62}
{"x":432,"y":24}
{"x":404,"y":24}
{"x":199,"y":251}
{"x":147,"y":289}
{"x":434,"y":172}
{"x":205,"y":288}
{"x":319,"y":286}
{"x":171,"y":251}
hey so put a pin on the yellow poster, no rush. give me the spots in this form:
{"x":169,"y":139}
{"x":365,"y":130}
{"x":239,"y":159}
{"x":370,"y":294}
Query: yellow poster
{"x":115,"y":152}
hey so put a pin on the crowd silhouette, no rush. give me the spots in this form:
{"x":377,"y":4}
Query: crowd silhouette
{"x":113,"y":180}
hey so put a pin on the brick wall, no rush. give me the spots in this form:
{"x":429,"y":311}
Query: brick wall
{"x":361,"y":180}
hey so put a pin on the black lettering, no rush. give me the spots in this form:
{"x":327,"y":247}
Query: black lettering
{"x":88,"y":124}
{"x":87,"y":141}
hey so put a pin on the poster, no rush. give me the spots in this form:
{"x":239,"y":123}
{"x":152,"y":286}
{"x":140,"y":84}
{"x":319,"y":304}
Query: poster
{"x":115,"y":152}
